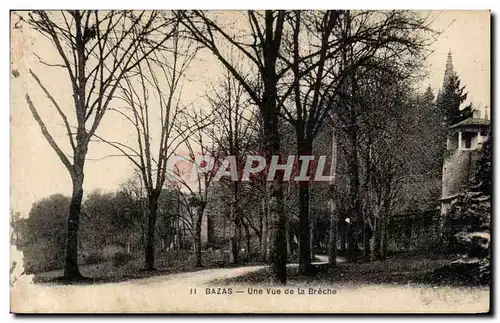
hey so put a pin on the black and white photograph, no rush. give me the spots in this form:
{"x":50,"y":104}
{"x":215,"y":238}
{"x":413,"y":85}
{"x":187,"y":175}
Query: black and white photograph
{"x":250,"y":161}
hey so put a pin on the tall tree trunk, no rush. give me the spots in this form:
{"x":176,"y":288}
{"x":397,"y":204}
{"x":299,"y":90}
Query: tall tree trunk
{"x":343,"y":237}
{"x":368,"y":211}
{"x":277,"y":217}
{"x":249,"y":240}
{"x":332,"y":236}
{"x":277,"y":234}
{"x":210,"y":231}
{"x":331,"y":207}
{"x":312,"y":241}
{"x":236,"y":226}
{"x":143,"y":240}
{"x":71,"y":270}
{"x":351,"y":248}
{"x":265,"y":228}
{"x":289,"y":249}
{"x":305,"y":230}
{"x":248,"y":237}
{"x":235,"y":240}
{"x":355,"y":209}
{"x":150,"y":239}
{"x":270,"y":111}
{"x":348,"y":93}
{"x":176,"y":236}
{"x":197,"y":237}
{"x":383,"y":238}
{"x":376,"y":240}
{"x":367,"y":236}
{"x":261,"y":226}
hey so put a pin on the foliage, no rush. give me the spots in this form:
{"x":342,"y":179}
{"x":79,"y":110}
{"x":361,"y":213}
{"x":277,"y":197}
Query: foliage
{"x":98,"y":50}
{"x":94,"y":258}
{"x":469,"y":222}
{"x":120,"y":259}
{"x":107,"y":220}
{"x":41,"y":237}
{"x":450,"y":99}
{"x":484,"y":173}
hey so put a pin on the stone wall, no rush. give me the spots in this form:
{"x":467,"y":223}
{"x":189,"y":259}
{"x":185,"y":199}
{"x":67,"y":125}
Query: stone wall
{"x":458,"y":169}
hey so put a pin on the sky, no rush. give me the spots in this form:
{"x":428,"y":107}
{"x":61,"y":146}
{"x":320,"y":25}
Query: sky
{"x":36,"y":171}
{"x":467,"y":35}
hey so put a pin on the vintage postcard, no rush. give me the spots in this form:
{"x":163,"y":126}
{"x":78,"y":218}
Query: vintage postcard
{"x":276,"y":161}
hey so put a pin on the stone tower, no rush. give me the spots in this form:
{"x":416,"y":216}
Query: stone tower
{"x":463,"y":141}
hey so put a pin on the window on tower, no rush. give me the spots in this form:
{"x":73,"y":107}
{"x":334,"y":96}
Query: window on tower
{"x":467,"y":140}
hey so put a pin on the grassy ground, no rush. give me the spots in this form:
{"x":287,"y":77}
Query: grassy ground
{"x":395,"y":270}
{"x":169,"y":262}
{"x":403,"y":270}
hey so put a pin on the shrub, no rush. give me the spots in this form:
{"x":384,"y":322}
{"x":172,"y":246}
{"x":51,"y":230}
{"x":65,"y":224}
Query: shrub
{"x":120,"y":259}
{"x":93,"y":258}
{"x":42,"y":257}
{"x":485,"y":270}
{"x":469,"y":224}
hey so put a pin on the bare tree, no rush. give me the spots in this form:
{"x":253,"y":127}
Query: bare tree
{"x":362,"y":42}
{"x":398,"y":154}
{"x":134,"y":189}
{"x":263,"y":54}
{"x":314,"y":54}
{"x":197,"y":145}
{"x":97,"y":50}
{"x":332,"y":206}
{"x":232,"y":133}
{"x":309,"y":69}
{"x":153,"y":108}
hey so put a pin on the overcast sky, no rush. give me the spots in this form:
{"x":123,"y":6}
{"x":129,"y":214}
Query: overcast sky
{"x":36,"y":171}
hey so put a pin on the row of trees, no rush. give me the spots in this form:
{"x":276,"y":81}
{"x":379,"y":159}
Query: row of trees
{"x":307,"y":63}
{"x":111,"y":223}
{"x":288,"y":78}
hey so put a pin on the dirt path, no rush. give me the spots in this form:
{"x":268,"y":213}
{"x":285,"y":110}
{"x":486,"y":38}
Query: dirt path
{"x":176,"y":293}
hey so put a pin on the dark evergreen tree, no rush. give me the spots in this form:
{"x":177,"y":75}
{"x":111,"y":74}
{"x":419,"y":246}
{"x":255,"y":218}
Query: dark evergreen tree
{"x":450,"y":99}
{"x":428,"y":96}
{"x":432,"y":131}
